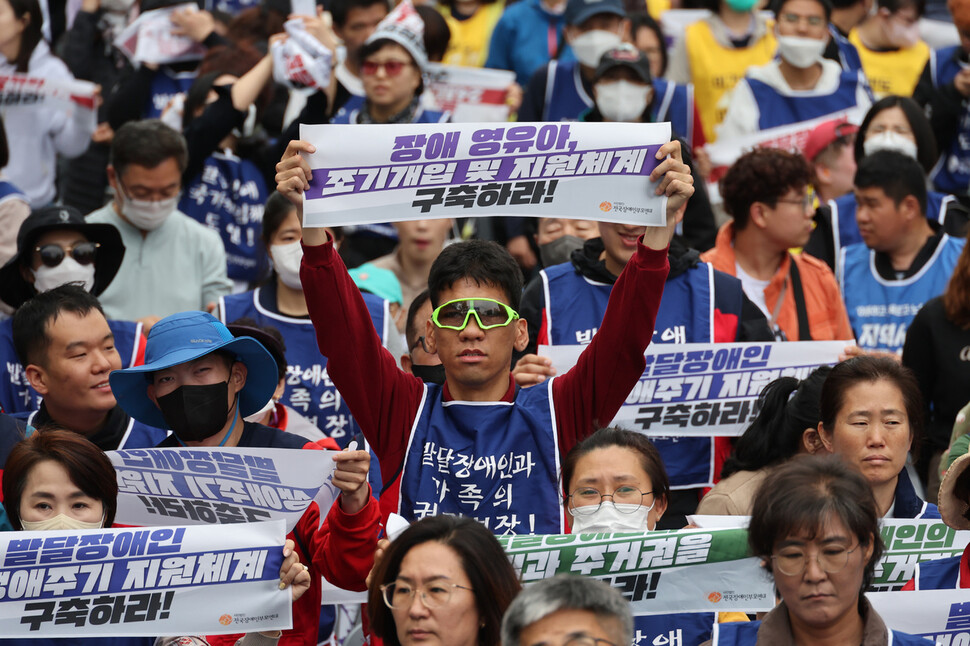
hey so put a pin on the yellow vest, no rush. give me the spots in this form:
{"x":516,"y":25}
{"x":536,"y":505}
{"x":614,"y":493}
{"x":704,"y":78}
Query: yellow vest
{"x":895,"y":72}
{"x":656,"y":7}
{"x":715,"y":70}
{"x":470,"y":37}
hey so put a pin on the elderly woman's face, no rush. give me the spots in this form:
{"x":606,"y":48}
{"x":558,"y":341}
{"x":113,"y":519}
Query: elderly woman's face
{"x":49,"y":492}
{"x":390,"y":77}
{"x":820,"y":577}
{"x":442,"y":610}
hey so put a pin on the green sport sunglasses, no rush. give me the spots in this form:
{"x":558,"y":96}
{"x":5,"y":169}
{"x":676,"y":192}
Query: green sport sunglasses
{"x":488,"y":312}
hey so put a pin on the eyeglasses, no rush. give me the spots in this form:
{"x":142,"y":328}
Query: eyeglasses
{"x":391,"y":68}
{"x":51,"y":255}
{"x":804,"y":202}
{"x":586,"y":500}
{"x":831,"y":559}
{"x":488,"y":312}
{"x":794,"y":19}
{"x":419,"y":342}
{"x":433,"y":595}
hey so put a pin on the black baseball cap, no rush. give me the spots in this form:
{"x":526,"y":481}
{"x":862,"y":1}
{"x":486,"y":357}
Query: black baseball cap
{"x":625,"y":55}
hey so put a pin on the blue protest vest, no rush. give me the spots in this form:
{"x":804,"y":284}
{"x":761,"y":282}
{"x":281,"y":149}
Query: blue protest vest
{"x":497,"y":462}
{"x":781,"y":110}
{"x":674,"y":103}
{"x":228,"y":197}
{"x":745,"y":633}
{"x":880,"y":310}
{"x":351,"y":108}
{"x":137,"y":435}
{"x":165,"y":85}
{"x":952,"y":172}
{"x":848,"y":54}
{"x":939,"y":574}
{"x":16,"y":393}
{"x":566,"y":98}
{"x":846,"y":229}
{"x":679,"y":628}
{"x":574,"y":310}
{"x":308,"y":387}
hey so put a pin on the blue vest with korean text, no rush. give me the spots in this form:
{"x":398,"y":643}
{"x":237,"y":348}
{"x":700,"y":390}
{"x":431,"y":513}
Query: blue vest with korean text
{"x":952,"y":172}
{"x":496,"y":462}
{"x":848,"y":54}
{"x":846,"y":229}
{"x":16,"y":393}
{"x":940,"y":574}
{"x":674,"y":629}
{"x":308,"y":387}
{"x":137,"y":435}
{"x":228,"y":197}
{"x":566,"y":98}
{"x":574,"y":310}
{"x":349,"y":110}
{"x":165,"y":85}
{"x":880,"y":310}
{"x":781,"y":110}
{"x":745,"y":633}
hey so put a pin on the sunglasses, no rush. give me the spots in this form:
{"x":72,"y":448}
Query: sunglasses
{"x":51,"y":255}
{"x":489,"y":313}
{"x":391,"y":68}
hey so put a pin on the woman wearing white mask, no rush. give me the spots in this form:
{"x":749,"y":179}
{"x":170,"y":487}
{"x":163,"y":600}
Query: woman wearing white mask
{"x":890,"y":48}
{"x":281,"y":303}
{"x":799,"y":85}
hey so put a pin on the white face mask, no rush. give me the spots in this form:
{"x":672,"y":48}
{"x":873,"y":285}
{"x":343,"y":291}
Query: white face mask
{"x":60,"y":521}
{"x":901,"y":35}
{"x":147,"y":215}
{"x":622,"y":100}
{"x":286,"y":261}
{"x":69,"y":271}
{"x":590,"y":47}
{"x":610,"y":518}
{"x":258,"y":415}
{"x":889,"y":140}
{"x":801,"y":52}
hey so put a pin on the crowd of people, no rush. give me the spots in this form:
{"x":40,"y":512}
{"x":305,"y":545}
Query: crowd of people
{"x":158,"y":288}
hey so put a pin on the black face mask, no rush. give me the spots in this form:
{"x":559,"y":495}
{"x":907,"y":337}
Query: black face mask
{"x":196,"y":412}
{"x":430,"y":374}
{"x":559,"y":250}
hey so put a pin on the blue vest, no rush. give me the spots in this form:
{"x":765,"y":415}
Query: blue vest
{"x":496,"y":462}
{"x":880,"y":310}
{"x":8,"y":190}
{"x":228,"y":197}
{"x":848,"y":54}
{"x":781,"y":110}
{"x":683,"y":628}
{"x":566,"y":98}
{"x":137,"y":435}
{"x":745,"y":633}
{"x":575,"y":307}
{"x":846,"y":229}
{"x":165,"y":85}
{"x":308,"y":387}
{"x":939,"y":574}
{"x":674,"y":103}
{"x":952,"y":172}
{"x":16,"y":393}
{"x":351,"y":108}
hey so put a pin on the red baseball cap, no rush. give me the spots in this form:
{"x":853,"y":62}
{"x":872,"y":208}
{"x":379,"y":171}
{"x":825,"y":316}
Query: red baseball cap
{"x":825,"y":134}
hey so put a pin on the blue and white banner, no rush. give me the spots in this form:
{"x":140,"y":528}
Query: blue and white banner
{"x":134,"y":582}
{"x":221,"y":486}
{"x":375,"y":173}
{"x":706,"y":389}
{"x":942,"y":616}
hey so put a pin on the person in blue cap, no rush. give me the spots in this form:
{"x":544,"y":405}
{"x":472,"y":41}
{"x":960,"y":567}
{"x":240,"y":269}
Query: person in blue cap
{"x":201,"y":381}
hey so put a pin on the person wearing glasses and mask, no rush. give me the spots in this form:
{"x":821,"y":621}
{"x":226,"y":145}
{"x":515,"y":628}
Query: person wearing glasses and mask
{"x":888,"y":41}
{"x":172,"y":263}
{"x":800,"y":85}
{"x":55,"y":246}
{"x":444,"y":581}
{"x":815,"y":526}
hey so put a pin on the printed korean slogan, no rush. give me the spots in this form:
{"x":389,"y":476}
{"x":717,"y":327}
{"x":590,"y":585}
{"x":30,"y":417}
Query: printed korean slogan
{"x":705,"y":389}
{"x":909,"y":542}
{"x":132,"y":582}
{"x":942,"y":616}
{"x":220,"y":486}
{"x":378,"y":173}
{"x":470,"y":93}
{"x":61,"y":94}
{"x":657,"y":572}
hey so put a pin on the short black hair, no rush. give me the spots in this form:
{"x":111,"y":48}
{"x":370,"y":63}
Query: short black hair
{"x":437,"y":34}
{"x":926,"y":146}
{"x":762,"y":175}
{"x":411,"y":333}
{"x":776,"y":6}
{"x":898,"y":175}
{"x":31,"y":320}
{"x":147,"y":143}
{"x":340,"y":9}
{"x":482,"y":261}
{"x":895,"y":5}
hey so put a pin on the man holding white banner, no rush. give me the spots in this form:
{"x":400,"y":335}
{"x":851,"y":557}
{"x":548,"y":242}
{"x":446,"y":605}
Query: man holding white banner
{"x":429,"y":438}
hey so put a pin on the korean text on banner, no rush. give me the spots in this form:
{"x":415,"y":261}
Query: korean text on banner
{"x":134,"y":582}
{"x":470,"y":93}
{"x":940,"y":615}
{"x":221,"y":486}
{"x":706,"y":389}
{"x":909,"y":542}
{"x":151,"y":38}
{"x":63,"y":94}
{"x":378,"y":173}
{"x":657,"y":572}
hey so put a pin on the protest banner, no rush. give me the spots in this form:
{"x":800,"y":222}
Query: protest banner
{"x":909,"y":542}
{"x":134,"y":582}
{"x":657,"y":572}
{"x":220,"y":486}
{"x":469,"y":93}
{"x":62,"y":94}
{"x":365,"y":174}
{"x":149,"y":39}
{"x":705,"y":389}
{"x":942,"y":616}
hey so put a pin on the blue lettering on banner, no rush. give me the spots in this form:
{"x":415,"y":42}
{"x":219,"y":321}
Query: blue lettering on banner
{"x":959,"y":618}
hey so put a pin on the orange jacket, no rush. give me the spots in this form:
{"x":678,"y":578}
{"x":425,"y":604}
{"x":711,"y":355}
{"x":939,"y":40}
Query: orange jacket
{"x":827,"y":318}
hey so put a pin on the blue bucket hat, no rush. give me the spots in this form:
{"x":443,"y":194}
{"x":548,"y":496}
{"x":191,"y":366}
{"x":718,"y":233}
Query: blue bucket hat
{"x":184,"y":337}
